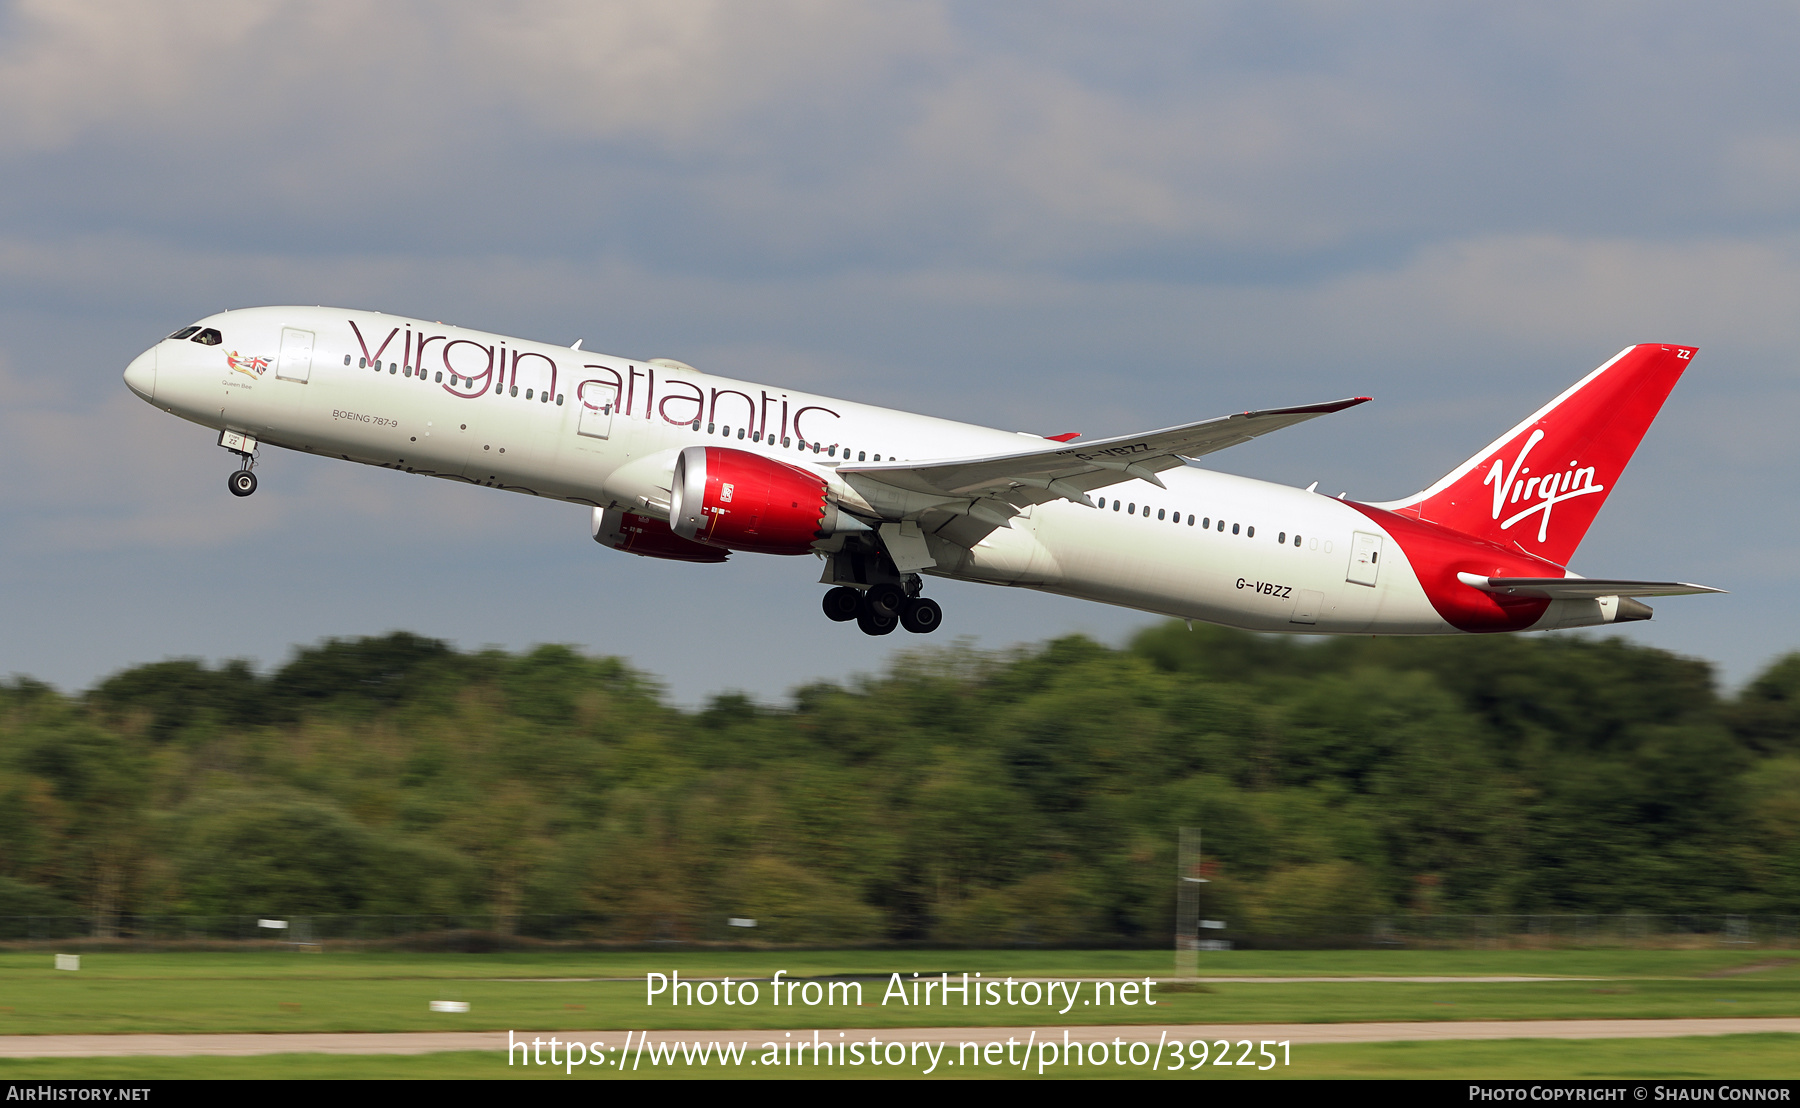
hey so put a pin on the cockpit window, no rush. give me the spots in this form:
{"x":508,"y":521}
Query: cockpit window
{"x":209,"y":337}
{"x":185,"y":332}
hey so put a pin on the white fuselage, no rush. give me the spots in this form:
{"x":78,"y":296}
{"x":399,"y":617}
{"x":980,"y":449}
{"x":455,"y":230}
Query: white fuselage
{"x":610,"y":431}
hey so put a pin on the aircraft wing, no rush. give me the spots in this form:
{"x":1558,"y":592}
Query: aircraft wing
{"x":1069,"y":471}
{"x":1578,"y":588}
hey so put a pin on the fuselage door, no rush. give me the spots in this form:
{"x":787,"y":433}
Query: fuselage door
{"x":295,"y":361}
{"x":595,"y":423}
{"x":1365,"y":558}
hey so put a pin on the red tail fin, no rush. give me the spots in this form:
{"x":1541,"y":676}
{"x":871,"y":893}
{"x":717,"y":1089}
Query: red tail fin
{"x":1538,"y":487}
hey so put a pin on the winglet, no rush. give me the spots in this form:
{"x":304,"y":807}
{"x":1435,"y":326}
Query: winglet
{"x":1315,"y":409}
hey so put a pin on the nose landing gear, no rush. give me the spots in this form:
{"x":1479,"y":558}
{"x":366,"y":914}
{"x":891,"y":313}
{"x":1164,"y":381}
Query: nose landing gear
{"x":242,"y":482}
{"x":879,"y":609}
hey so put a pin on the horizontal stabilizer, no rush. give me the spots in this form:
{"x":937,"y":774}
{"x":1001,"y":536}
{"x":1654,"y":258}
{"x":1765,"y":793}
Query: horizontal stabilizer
{"x":1578,"y":588}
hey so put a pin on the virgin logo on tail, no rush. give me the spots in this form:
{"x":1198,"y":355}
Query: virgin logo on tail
{"x":1548,"y":490}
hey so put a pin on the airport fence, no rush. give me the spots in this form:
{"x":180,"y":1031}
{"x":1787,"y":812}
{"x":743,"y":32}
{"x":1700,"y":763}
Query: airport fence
{"x":1455,"y":931}
{"x":494,"y":932}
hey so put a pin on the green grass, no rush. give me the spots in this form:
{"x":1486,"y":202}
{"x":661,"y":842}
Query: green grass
{"x":277,"y":991}
{"x":1735,"y":1057}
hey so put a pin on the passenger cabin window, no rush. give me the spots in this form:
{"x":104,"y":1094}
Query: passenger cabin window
{"x":1249,"y":532}
{"x":1159,"y":513}
{"x":528,"y":394}
{"x":1190,"y":519}
{"x":209,"y":337}
{"x":860,"y":457}
{"x":1296,"y":540}
{"x":185,"y":333}
{"x":1234,"y":528}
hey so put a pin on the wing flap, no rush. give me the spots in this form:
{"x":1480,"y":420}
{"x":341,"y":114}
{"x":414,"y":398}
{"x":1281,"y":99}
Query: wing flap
{"x":1579,"y":588}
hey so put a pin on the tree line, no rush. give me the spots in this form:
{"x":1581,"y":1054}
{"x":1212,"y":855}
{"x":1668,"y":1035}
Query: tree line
{"x":959,"y":796}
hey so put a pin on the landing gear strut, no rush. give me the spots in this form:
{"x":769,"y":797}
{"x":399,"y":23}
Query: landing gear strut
{"x":879,"y":609}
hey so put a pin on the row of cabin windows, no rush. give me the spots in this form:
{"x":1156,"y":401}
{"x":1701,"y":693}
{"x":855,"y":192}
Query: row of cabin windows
{"x":1206,"y":522}
{"x":500,"y":387}
{"x":786,"y":441}
{"x":205,"y":336}
{"x":724,"y":429}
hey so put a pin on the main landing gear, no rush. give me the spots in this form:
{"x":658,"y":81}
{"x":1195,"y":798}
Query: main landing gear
{"x":878,"y":609}
{"x":242,"y":483}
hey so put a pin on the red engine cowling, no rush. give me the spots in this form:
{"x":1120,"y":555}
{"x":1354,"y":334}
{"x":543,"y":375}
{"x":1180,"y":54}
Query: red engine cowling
{"x":649,"y":537}
{"x":744,"y":501}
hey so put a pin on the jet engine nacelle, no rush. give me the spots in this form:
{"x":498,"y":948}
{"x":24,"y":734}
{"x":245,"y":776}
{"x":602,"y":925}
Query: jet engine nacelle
{"x":743,"y":501}
{"x":649,"y":537}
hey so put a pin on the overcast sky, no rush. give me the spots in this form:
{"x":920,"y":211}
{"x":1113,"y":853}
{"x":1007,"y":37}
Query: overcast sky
{"x":1043,"y":216}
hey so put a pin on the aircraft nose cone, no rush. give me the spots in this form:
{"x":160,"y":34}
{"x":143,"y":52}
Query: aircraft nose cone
{"x":140,"y":375}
